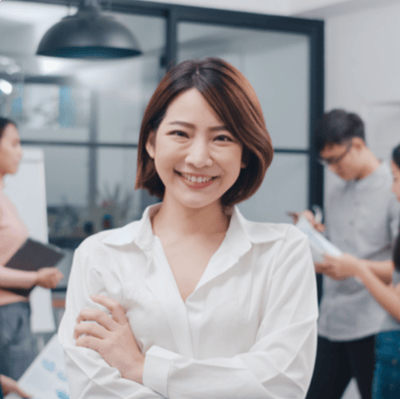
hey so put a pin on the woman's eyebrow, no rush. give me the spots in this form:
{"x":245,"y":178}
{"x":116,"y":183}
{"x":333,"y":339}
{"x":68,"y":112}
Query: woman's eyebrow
{"x":192,"y":126}
{"x":181,"y":123}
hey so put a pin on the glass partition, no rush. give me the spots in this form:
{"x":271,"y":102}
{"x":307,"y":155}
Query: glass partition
{"x":89,"y":131}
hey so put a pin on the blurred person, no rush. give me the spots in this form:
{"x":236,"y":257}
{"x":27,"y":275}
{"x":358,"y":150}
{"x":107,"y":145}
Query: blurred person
{"x":386,"y":383}
{"x":196,"y":301}
{"x":17,"y":343}
{"x":8,"y":385}
{"x":362,"y":219}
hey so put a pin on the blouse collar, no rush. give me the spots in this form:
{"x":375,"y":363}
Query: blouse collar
{"x":241,"y":233}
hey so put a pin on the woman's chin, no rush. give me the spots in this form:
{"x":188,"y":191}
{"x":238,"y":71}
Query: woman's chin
{"x":196,"y":202}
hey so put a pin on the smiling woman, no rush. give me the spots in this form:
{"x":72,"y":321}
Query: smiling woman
{"x":193,"y":300}
{"x":201,"y":155}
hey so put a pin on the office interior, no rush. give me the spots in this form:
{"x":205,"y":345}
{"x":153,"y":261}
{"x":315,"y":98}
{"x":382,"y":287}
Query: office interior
{"x":302,"y":56}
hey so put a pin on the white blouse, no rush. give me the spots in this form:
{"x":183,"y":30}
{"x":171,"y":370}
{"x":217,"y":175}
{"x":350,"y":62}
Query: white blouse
{"x":247,"y":331}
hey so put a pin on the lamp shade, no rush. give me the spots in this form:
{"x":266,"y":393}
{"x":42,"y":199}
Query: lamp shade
{"x":88,"y":34}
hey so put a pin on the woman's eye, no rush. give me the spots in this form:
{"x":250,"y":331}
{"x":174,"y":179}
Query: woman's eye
{"x":223,"y":137}
{"x":179,"y":133}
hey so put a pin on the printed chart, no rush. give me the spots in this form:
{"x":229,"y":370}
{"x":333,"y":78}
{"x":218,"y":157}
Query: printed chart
{"x":45,"y":378}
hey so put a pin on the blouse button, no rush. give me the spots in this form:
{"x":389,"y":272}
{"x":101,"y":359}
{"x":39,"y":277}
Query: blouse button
{"x":394,"y":362}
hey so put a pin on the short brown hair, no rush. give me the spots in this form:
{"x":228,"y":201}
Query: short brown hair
{"x":235,"y":102}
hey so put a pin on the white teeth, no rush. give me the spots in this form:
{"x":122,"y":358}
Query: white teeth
{"x":195,"y":179}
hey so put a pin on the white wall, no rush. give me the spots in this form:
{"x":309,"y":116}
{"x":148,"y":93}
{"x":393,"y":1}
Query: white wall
{"x":363,"y":57}
{"x":363,"y":71}
{"x":277,"y":7}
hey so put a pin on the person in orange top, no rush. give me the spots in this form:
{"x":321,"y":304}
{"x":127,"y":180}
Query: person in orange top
{"x":17,"y":343}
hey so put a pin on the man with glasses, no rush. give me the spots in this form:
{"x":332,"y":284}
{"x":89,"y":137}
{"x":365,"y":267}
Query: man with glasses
{"x":361,"y":218}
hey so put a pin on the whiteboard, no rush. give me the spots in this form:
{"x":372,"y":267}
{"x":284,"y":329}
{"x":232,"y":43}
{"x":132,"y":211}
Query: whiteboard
{"x":27,"y":190}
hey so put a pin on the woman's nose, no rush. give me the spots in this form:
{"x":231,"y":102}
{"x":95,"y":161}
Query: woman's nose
{"x":199,"y":154}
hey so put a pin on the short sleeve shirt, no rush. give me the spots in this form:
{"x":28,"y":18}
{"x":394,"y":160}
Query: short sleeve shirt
{"x":362,"y":219}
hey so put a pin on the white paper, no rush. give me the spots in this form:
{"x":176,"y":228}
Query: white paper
{"x":319,"y":245}
{"x":46,"y":378}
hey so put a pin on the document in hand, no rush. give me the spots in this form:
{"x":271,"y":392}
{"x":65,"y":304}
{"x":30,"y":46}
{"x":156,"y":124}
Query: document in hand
{"x":31,"y":256}
{"x":318,"y":243}
{"x":45,"y":378}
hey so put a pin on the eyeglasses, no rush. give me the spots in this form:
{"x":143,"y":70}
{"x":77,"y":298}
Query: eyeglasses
{"x":335,"y":160}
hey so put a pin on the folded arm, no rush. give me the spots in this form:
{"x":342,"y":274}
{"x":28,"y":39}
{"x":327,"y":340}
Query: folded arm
{"x":89,"y":375}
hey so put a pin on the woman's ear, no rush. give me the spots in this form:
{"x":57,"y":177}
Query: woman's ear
{"x":151,"y":144}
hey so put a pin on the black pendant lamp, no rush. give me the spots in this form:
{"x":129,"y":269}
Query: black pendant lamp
{"x":88,"y":34}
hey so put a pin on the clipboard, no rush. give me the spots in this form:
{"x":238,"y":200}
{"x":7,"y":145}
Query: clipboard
{"x":31,"y":256}
{"x":319,"y":245}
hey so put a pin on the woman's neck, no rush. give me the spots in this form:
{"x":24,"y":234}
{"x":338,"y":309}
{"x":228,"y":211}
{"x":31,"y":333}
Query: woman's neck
{"x":173,"y":218}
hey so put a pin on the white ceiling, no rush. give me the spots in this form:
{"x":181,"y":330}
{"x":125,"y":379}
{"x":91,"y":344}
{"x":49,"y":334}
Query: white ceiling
{"x":319,"y":9}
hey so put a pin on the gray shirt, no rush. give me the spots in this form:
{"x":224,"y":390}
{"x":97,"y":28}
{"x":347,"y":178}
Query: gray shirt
{"x":362,"y":218}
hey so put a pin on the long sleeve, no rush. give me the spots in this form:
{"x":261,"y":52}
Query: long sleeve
{"x":89,"y":376}
{"x":279,"y":365}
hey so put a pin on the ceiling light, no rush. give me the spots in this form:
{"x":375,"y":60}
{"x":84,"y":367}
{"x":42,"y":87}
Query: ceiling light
{"x":88,"y":34}
{"x":5,"y":86}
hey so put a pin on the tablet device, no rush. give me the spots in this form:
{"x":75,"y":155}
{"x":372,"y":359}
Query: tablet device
{"x":31,"y":256}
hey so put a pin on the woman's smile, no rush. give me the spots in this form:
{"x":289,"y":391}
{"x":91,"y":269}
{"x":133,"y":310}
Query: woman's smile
{"x":196,"y":180}
{"x":193,"y":144}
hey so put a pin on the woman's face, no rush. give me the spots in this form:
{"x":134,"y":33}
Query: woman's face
{"x":195,"y":156}
{"x":10,"y":150}
{"x":396,"y":180}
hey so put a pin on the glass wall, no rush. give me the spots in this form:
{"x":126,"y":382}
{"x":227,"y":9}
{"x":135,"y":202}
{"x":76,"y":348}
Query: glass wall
{"x":89,"y":132}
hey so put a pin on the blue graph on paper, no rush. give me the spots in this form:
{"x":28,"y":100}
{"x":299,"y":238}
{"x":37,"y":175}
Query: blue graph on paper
{"x":46,"y":378}
{"x":62,"y":395}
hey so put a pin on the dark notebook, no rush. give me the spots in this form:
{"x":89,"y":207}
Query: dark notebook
{"x":31,"y":256}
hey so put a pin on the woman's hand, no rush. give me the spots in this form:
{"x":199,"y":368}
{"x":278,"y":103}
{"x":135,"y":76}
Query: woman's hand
{"x":320,"y":227}
{"x":111,"y":337}
{"x":341,"y":267}
{"x":9,"y":385}
{"x":48,"y":277}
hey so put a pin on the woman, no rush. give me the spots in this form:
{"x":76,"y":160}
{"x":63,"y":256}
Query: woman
{"x":387,"y":368}
{"x":16,"y":340}
{"x":197,"y":302}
